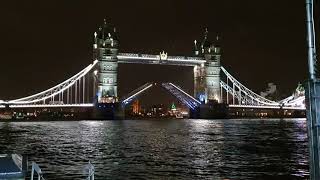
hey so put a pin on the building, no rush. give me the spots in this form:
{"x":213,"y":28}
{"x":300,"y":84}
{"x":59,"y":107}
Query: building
{"x":136,"y":107}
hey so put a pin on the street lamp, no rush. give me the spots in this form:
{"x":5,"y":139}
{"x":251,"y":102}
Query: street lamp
{"x":312,"y":97}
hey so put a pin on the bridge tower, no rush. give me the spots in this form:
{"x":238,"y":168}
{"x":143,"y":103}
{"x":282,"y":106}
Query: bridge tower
{"x":207,"y":75}
{"x":105,"y":50}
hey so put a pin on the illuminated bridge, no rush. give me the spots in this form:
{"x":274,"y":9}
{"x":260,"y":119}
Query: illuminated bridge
{"x":96,"y":85}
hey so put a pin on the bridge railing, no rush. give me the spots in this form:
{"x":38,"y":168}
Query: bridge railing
{"x":89,"y":168}
{"x":36,"y":169}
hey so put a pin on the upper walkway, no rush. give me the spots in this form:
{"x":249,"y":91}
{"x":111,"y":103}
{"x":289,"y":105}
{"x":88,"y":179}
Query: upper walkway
{"x":162,"y":58}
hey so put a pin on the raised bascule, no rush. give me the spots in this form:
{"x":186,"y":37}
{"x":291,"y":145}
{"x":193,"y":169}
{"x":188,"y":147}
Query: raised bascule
{"x":94,"y":89}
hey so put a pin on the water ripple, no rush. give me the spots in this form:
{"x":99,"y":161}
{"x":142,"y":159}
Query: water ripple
{"x":163,"y":149}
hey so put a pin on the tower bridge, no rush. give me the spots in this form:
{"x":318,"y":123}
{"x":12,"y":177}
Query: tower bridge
{"x":96,"y":86}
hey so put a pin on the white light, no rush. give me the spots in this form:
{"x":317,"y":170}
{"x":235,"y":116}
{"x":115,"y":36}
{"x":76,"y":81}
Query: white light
{"x":195,"y":69}
{"x":127,"y":57}
{"x":266,"y":107}
{"x":138,"y":92}
{"x":185,"y":93}
{"x":95,"y":72}
{"x":50,"y":105}
{"x":216,"y":98}
{"x":92,"y":123}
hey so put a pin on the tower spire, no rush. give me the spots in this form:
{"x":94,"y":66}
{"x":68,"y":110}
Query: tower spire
{"x":206,"y":32}
{"x":195,"y":48}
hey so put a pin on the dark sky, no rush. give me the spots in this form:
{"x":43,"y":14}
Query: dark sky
{"x":44,"y":42}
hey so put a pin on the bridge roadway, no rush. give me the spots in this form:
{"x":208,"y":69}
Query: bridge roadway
{"x":88,"y":105}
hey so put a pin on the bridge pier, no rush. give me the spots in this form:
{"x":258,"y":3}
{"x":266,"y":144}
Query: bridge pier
{"x":108,"y":111}
{"x":211,"y":110}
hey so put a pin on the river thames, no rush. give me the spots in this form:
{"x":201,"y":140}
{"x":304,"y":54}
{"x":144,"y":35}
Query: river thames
{"x":163,"y":149}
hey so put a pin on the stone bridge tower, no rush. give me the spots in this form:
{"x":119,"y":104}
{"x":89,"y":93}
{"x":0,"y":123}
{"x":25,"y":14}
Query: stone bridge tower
{"x":207,"y":76}
{"x":105,"y":50}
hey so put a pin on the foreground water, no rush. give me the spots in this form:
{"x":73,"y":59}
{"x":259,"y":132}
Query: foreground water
{"x":159,"y":149}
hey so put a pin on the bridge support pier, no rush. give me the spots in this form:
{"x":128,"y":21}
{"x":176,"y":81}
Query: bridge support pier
{"x":313,"y":122}
{"x":108,"y":111}
{"x":211,"y":110}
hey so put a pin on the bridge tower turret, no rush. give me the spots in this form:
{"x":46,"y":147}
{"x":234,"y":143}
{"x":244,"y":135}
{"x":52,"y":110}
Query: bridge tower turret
{"x":105,"y":50}
{"x":207,"y":76}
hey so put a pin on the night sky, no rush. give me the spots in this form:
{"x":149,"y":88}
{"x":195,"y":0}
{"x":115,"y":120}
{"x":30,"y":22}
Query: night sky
{"x":44,"y":42}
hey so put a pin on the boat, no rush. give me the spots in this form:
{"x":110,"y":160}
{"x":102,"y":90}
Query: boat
{"x":15,"y":167}
{"x":12,"y":166}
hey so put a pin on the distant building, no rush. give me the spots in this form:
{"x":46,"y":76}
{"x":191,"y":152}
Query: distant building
{"x":158,"y":110}
{"x":136,"y":108}
{"x":178,"y":112}
{"x":173,"y":107}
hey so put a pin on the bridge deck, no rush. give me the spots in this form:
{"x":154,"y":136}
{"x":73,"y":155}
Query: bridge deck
{"x":266,"y":107}
{"x":92,"y":105}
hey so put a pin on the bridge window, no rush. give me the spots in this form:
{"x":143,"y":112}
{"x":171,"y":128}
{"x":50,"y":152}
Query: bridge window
{"x":104,"y":53}
{"x":107,"y":67}
{"x":107,"y":80}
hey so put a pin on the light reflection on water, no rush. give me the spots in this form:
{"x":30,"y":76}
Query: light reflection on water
{"x":149,"y":149}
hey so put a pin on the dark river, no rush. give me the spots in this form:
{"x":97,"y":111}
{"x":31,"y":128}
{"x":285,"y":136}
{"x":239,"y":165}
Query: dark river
{"x":163,"y":149}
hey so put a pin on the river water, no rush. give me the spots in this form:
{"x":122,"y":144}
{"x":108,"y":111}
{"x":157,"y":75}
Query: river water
{"x":163,"y":149}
